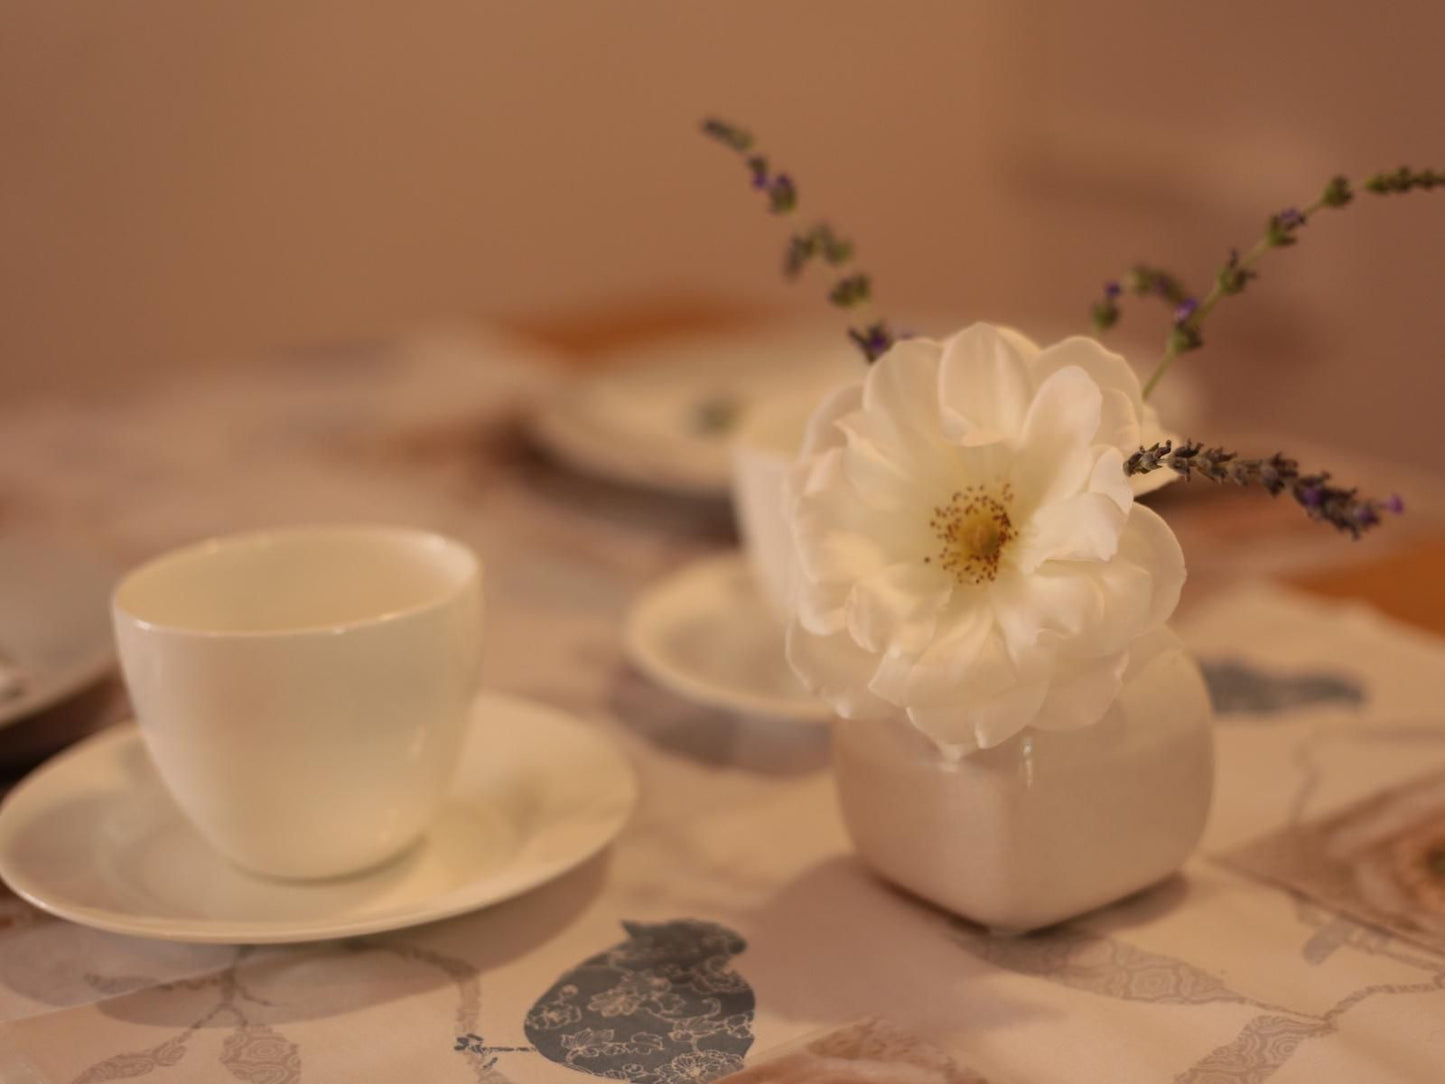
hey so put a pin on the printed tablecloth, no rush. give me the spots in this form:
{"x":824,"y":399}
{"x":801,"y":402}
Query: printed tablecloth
{"x":730,"y":918}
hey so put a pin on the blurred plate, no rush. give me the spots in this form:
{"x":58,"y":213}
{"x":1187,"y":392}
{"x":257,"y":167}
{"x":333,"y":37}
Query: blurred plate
{"x":54,"y":620}
{"x":706,"y":634}
{"x":662,"y":417}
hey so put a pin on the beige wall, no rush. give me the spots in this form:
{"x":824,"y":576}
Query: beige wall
{"x":184,"y":181}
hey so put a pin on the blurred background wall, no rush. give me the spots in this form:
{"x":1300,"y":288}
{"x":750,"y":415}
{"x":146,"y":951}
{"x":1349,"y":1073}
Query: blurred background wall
{"x":185,"y":182}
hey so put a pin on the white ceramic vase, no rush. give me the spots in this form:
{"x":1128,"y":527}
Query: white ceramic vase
{"x":1050,"y":824}
{"x":1046,"y":826}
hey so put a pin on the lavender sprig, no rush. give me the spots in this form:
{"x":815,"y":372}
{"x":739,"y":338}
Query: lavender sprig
{"x":1281,"y":231}
{"x":818,"y":242}
{"x":1342,"y":508}
{"x":1403,"y":180}
{"x":873,"y":340}
{"x":1141,"y":281}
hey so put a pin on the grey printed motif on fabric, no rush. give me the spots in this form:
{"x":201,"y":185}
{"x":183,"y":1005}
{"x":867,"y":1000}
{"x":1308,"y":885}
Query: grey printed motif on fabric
{"x":869,"y":1051}
{"x":1240,"y":688}
{"x":1101,"y":965}
{"x":252,"y":1052}
{"x":1264,"y":1045}
{"x":662,"y":1007}
{"x":1380,"y":861}
{"x":257,"y":1053}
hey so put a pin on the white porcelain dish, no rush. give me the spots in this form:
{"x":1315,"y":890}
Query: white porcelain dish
{"x":663,"y":418}
{"x":93,"y":837}
{"x":706,"y":633}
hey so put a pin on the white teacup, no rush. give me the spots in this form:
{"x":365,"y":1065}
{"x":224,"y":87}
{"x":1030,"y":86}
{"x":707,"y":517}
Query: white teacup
{"x":762,"y":454}
{"x":304,"y":691}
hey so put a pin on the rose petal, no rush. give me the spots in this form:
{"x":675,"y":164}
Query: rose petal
{"x":1059,"y":599}
{"x":967,"y":658}
{"x":885,"y":482}
{"x":836,"y":669}
{"x":1119,"y":426}
{"x":969,"y":725}
{"x":897,"y":607}
{"x":821,"y":432}
{"x":1147,"y":543}
{"x":1108,"y":478}
{"x":1022,"y":344}
{"x":1081,"y":698}
{"x":890,"y":679}
{"x":1082,"y":528}
{"x":1054,"y":459}
{"x":1107,"y":369}
{"x":983,"y":386}
{"x":835,"y":536}
{"x":900,"y":394}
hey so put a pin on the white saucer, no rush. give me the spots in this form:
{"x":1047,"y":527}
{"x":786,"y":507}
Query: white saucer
{"x":54,"y":620}
{"x":642,"y":420}
{"x":93,"y":837}
{"x":705,"y":633}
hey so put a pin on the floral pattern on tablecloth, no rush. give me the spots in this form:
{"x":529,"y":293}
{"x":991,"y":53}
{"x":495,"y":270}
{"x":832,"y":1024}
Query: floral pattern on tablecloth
{"x":871,"y":1051}
{"x":1231,"y":980}
{"x":664,"y":1006}
{"x":1381,"y":861}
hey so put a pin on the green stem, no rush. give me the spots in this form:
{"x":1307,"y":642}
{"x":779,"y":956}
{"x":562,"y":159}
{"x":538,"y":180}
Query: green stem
{"x":1216,"y":293}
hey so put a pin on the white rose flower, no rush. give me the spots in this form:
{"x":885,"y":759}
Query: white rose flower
{"x":969,"y":548}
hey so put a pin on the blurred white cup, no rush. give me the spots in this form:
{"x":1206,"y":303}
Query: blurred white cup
{"x":764,"y":450}
{"x":304,"y":691}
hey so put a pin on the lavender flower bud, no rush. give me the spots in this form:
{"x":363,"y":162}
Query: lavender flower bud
{"x":1232,"y":277}
{"x":836,"y":251}
{"x":1105,"y":314}
{"x":1341,"y":508}
{"x":874,"y":340}
{"x":849,"y":291}
{"x":738,"y":139}
{"x":1337,"y":193}
{"x":1185,"y":338}
{"x":1403,"y":180}
{"x":782,"y":194}
{"x":799,"y":251}
{"x":1281,"y":227}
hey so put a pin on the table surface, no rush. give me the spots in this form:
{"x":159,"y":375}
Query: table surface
{"x":1212,"y":976}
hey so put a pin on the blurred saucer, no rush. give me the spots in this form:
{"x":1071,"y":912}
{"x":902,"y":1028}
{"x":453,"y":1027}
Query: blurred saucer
{"x":662,"y":417}
{"x":706,"y":634}
{"x":55,"y":636}
{"x":93,"y":837}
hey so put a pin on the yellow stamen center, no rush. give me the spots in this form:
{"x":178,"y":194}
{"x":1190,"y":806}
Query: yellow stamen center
{"x":973,"y":530}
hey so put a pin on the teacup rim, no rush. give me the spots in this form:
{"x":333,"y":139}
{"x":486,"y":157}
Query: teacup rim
{"x":215,"y":542}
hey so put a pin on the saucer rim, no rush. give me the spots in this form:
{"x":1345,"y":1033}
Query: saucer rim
{"x":263,"y":932}
{"x":60,"y":685}
{"x":638,"y":643}
{"x":584,"y":444}
{"x":91,"y":661}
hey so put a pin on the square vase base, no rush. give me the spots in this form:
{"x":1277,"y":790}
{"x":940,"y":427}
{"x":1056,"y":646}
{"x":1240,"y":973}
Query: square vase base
{"x":1045,"y":826}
